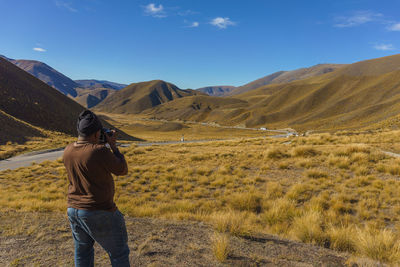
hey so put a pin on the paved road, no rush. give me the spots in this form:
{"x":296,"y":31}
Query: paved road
{"x":28,"y":159}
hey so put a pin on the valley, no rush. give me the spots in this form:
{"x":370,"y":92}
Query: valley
{"x":301,"y":170}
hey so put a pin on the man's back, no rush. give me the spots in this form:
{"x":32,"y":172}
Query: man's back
{"x":89,"y":167}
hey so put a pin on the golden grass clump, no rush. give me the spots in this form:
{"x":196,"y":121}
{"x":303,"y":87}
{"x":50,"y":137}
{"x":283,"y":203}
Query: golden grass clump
{"x":276,"y":153}
{"x":342,"y":238}
{"x":232,"y":222}
{"x":246,"y":201}
{"x":279,"y":215}
{"x":220,"y":246}
{"x":305,"y":151}
{"x":308,"y":228}
{"x":274,"y":190}
{"x":315,"y":173}
{"x":382,"y":245}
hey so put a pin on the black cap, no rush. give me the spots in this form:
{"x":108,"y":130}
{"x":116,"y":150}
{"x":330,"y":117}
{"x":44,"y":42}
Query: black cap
{"x":88,"y":123}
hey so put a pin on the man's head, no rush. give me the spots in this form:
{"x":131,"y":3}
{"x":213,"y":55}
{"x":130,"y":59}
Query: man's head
{"x":89,"y":126}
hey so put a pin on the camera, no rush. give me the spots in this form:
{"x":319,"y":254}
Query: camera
{"x":103,"y":133}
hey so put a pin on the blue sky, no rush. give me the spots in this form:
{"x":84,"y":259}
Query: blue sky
{"x":199,"y":42}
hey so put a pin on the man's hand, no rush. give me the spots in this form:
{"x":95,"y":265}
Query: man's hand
{"x":112,"y":140}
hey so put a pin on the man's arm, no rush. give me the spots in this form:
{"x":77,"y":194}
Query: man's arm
{"x":116,"y":163}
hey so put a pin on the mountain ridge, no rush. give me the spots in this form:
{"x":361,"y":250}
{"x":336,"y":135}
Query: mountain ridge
{"x":138,"y":97}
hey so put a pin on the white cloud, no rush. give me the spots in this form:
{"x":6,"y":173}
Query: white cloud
{"x":66,"y":5}
{"x":222,"y":23}
{"x":39,"y":49}
{"x":358,"y":18}
{"x":395,"y":27}
{"x":195,"y":24}
{"x":187,"y":13}
{"x":155,"y":11}
{"x":384,"y":47}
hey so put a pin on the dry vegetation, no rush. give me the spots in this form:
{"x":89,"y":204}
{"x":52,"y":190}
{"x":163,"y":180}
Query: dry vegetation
{"x":153,"y":130}
{"x":333,"y":190}
{"x":50,"y":140}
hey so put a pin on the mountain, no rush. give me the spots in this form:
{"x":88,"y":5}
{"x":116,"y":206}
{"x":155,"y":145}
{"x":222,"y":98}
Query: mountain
{"x":286,"y":76}
{"x":48,"y":75}
{"x":137,"y":97}
{"x":90,"y":97}
{"x":15,"y":130}
{"x":216,"y":90}
{"x":88,"y":93}
{"x":353,"y":96}
{"x":27,"y":98}
{"x":198,"y":108}
{"x":27,"y":103}
{"x":95,"y":84}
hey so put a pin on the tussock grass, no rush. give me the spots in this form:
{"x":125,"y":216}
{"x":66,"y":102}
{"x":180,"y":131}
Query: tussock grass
{"x":240,"y":187}
{"x":304,"y":151}
{"x":342,"y":238}
{"x":220,"y":246}
{"x":308,"y":228}
{"x":276,"y":153}
{"x":49,"y":141}
{"x":381,"y":245}
{"x":230,"y":222}
{"x":315,"y":173}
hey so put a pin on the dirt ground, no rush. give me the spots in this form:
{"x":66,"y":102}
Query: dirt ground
{"x":44,"y":239}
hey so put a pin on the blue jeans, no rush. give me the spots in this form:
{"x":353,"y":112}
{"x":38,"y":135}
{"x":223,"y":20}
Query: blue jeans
{"x":106,"y":228}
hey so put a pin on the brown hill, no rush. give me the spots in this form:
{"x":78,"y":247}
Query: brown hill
{"x":95,"y":84}
{"x":15,"y":130}
{"x":48,"y":75}
{"x":198,"y":108}
{"x":138,"y":97}
{"x":216,"y":90}
{"x":286,"y":76}
{"x":350,"y":97}
{"x":90,"y":97}
{"x":25,"y":100}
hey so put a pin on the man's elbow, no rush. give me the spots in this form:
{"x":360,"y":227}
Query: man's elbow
{"x":122,"y":171}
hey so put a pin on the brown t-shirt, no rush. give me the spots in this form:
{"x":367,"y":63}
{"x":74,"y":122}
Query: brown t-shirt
{"x":89,"y":167}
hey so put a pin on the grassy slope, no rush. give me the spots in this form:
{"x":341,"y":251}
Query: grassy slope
{"x":32,"y":112}
{"x":287,"y":76}
{"x":196,"y":108}
{"x":29,"y":99}
{"x":140,"y":96}
{"x":338,"y":191}
{"x":48,"y":75}
{"x":354,"y":96}
{"x":20,"y":130}
{"x":90,"y":97}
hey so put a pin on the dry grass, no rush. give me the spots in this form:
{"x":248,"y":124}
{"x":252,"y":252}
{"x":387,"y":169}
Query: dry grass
{"x":240,"y":187}
{"x":153,"y":130}
{"x":220,"y":246}
{"x":50,"y":141}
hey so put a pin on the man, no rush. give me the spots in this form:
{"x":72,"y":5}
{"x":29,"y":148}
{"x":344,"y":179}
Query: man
{"x":92,"y":212}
